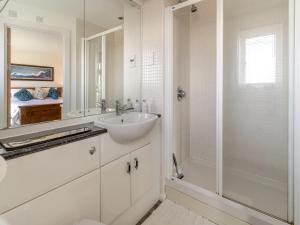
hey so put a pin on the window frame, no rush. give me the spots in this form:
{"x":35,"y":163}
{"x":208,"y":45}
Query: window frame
{"x":253,"y":33}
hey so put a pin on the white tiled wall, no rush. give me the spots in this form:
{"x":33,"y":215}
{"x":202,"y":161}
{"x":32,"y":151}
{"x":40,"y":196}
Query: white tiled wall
{"x":153,"y":38}
{"x":152,"y":80}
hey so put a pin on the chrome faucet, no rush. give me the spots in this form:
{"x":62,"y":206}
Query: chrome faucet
{"x":103,"y":106}
{"x":121,"y":109}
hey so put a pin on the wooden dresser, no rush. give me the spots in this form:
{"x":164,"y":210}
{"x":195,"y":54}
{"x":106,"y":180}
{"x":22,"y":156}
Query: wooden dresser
{"x":40,"y":113}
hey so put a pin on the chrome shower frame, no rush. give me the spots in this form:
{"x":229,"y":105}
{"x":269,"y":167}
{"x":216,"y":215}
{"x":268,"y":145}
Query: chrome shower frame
{"x":215,"y":199}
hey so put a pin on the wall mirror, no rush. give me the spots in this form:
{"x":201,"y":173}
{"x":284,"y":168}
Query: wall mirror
{"x":112,"y":54}
{"x":66,"y":59}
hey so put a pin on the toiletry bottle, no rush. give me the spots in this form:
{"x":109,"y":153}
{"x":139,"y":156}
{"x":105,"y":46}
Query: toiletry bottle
{"x":137,"y":107}
{"x":129,"y":103}
{"x":144,"y":106}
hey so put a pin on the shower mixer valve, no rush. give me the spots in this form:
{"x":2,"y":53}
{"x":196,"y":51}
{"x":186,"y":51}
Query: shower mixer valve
{"x":180,"y":93}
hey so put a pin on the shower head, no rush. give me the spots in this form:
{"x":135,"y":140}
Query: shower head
{"x":194,"y":8}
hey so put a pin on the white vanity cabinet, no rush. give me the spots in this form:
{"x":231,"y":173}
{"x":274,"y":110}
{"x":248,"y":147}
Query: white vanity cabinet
{"x":38,"y":173}
{"x":63,"y":206}
{"x":94,"y":178}
{"x":142,"y":168}
{"x":115,"y":189}
{"x":124,"y":181}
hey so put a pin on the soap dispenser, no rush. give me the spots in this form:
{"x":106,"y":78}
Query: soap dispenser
{"x":145,"y":106}
{"x":129,"y":104}
{"x":137,"y":107}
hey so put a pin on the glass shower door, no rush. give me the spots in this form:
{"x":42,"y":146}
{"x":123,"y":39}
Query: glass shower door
{"x":194,"y":66}
{"x":256,"y":104}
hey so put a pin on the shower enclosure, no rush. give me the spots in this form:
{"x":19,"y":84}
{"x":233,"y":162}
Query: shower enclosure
{"x":229,"y":102}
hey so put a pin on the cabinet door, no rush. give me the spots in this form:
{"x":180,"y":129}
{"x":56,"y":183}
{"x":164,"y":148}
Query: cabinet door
{"x":115,"y":189}
{"x":41,"y":172}
{"x":77,"y":200}
{"x":142,"y":166}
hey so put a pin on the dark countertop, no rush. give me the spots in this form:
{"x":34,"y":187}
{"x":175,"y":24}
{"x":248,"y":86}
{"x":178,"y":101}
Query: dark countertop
{"x":22,"y":151}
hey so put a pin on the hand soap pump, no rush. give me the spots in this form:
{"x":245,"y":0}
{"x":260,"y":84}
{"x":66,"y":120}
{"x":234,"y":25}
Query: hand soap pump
{"x":144,"y":106}
{"x":129,"y":103}
{"x":137,"y":107}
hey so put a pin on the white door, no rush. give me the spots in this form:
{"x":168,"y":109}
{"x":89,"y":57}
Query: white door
{"x":63,"y":206}
{"x":36,"y":173}
{"x":115,"y":189}
{"x":142,"y":176}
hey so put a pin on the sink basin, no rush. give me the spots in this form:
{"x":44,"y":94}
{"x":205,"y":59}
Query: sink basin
{"x":129,"y":126}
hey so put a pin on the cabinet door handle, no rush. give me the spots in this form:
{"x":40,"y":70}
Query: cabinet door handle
{"x":92,"y":150}
{"x":128,"y":168}
{"x":136,"y":163}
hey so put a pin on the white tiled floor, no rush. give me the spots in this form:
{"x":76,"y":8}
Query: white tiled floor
{"x":169,"y":213}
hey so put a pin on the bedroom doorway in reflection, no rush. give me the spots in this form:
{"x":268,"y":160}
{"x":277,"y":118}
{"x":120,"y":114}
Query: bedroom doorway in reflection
{"x":35,"y":79}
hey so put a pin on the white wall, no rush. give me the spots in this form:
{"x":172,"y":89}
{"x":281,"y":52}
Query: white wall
{"x":132,"y":49}
{"x":34,"y":47}
{"x":153,"y":54}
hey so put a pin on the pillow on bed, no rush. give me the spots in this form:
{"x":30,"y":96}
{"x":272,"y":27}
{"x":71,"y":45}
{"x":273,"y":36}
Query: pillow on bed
{"x":31,"y":91}
{"x":40,"y":93}
{"x":23,"y":95}
{"x":53,"y":93}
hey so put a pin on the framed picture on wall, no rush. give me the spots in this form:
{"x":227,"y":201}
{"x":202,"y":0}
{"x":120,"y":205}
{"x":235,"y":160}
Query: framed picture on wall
{"x":31,"y":73}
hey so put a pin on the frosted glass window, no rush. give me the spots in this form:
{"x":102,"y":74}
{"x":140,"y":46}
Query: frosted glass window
{"x":259,"y":64}
{"x":256,"y":105}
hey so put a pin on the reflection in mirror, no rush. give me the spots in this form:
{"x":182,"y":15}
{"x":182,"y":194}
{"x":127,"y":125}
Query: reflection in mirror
{"x":112,"y":54}
{"x":104,"y":59}
{"x":41,"y":73}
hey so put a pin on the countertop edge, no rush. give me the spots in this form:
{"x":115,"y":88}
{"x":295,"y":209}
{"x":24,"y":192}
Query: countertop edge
{"x":9,"y":155}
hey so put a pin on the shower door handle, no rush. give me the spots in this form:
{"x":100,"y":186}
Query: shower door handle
{"x":180,"y":93}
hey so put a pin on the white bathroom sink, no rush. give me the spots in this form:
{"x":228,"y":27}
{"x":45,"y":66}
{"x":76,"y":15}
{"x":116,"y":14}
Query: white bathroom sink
{"x":129,"y":126}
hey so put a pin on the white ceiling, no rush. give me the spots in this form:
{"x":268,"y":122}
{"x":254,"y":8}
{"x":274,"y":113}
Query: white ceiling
{"x":104,"y":13}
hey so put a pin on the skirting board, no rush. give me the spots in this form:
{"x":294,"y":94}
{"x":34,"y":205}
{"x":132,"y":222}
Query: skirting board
{"x":213,"y":214}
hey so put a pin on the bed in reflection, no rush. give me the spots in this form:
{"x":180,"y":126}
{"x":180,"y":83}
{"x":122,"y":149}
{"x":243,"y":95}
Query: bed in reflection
{"x":35,"y":110}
